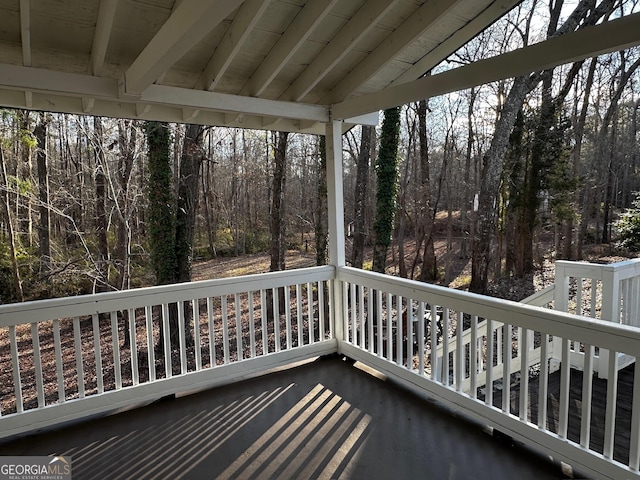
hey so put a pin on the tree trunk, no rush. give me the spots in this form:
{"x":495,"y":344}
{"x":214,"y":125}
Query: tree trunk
{"x":102,"y":261}
{"x":362,"y":180}
{"x":482,"y":255}
{"x":187,"y":206}
{"x":387,"y":173}
{"x":25,"y":172}
{"x":278,"y":241}
{"x":467,"y":203}
{"x":44,"y":226}
{"x":577,"y":153}
{"x":321,"y":227}
{"x":127,"y":139}
{"x":17,"y":283}
{"x":161,"y":216}
{"x":426,"y":209}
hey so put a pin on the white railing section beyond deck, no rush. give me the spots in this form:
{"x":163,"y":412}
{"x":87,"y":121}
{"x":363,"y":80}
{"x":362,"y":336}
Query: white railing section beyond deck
{"x":608,"y":292}
{"x":64,"y":359}
{"x":475,"y":377}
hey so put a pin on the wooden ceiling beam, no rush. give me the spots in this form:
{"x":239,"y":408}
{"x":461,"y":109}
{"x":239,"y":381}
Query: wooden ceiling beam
{"x":102,"y":34}
{"x":233,"y":40}
{"x":429,"y":14}
{"x":303,"y":25}
{"x":492,"y":13}
{"x":186,"y":26}
{"x":366,"y":18}
{"x":25,"y":31}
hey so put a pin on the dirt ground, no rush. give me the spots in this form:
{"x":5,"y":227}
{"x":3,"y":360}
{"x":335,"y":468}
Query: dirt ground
{"x":455,"y":272}
{"x":454,"y":267}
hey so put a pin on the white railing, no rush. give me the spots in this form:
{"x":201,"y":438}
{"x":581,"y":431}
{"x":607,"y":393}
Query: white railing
{"x":64,"y":359}
{"x":608,"y":292}
{"x":373,"y":334}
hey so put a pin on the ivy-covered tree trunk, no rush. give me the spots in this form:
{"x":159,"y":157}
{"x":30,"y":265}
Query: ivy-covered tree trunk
{"x":515,"y":174}
{"x":161,"y":213}
{"x":161,"y":221}
{"x":492,"y":162}
{"x":321,"y":228}
{"x":387,"y":175}
{"x":483,"y":241}
{"x":362,"y":177}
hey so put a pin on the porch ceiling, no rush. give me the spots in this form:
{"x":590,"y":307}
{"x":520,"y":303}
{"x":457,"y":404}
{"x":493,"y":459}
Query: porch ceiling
{"x":266,"y":64}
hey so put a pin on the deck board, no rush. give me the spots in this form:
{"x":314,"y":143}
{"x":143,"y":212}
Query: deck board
{"x":325,"y":419}
{"x":598,"y":407}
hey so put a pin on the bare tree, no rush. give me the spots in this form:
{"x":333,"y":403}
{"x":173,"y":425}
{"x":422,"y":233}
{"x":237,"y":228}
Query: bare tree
{"x":44,"y":225}
{"x":362,"y":177}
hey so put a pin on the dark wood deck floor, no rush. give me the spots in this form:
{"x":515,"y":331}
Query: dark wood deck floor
{"x":325,"y":419}
{"x":598,"y":407}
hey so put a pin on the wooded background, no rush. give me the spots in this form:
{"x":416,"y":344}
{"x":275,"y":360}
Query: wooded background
{"x":500,"y":171}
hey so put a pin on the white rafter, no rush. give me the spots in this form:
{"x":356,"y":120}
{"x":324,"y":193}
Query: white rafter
{"x":106,"y":14}
{"x":354,"y":30}
{"x":493,"y":12}
{"x":186,"y":26}
{"x":205,"y":100}
{"x":25,"y":31}
{"x":302,"y":26}
{"x":607,"y":37}
{"x":244,"y":21}
{"x":426,"y":16}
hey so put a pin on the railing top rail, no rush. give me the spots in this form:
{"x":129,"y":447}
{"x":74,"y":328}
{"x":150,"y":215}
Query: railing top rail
{"x":41,"y":310}
{"x":596,"y":271}
{"x":591,"y":331}
{"x":541,"y":297}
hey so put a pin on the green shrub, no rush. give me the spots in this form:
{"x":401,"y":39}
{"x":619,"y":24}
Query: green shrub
{"x":628,"y":226}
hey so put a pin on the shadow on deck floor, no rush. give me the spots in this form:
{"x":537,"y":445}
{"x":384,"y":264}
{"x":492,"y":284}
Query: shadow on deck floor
{"x":324,"y":419}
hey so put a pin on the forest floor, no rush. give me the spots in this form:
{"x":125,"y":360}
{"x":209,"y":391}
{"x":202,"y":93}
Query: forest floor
{"x":455,"y":268}
{"x":454,"y":263}
{"x":455,"y":272}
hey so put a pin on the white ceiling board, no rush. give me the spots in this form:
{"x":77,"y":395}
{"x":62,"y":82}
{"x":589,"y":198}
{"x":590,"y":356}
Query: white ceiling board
{"x":297,"y":32}
{"x":347,"y":38}
{"x":186,"y":26}
{"x":430,"y":13}
{"x":434,"y":56}
{"x":234,"y":38}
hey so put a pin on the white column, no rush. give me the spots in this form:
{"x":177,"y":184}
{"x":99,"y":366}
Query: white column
{"x":335,"y":204}
{"x":335,"y":199}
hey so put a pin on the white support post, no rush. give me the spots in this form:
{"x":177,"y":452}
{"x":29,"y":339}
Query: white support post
{"x":610,"y":312}
{"x":335,"y":206}
{"x":560,"y":303}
